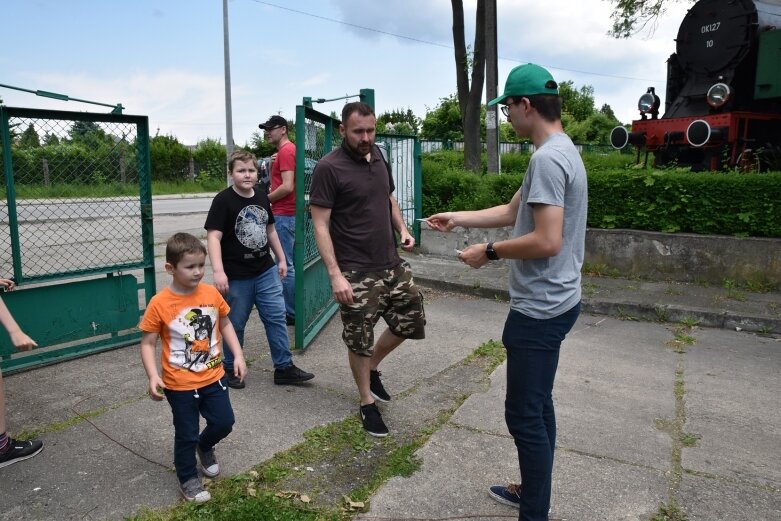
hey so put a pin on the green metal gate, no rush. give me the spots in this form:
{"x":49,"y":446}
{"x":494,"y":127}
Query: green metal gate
{"x":316,"y":135}
{"x":76,"y":220}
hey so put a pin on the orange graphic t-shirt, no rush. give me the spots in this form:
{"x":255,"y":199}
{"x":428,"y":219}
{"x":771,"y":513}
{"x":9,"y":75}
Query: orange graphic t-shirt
{"x":189,"y":328}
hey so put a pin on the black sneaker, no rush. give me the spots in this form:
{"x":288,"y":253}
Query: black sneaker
{"x":372,"y":421}
{"x":291,"y":375}
{"x":509,"y":495}
{"x":234,"y":382}
{"x":376,"y":387}
{"x":19,"y":451}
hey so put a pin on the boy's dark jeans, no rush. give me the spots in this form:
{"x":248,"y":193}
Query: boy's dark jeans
{"x":532,"y":359}
{"x":211,"y":402}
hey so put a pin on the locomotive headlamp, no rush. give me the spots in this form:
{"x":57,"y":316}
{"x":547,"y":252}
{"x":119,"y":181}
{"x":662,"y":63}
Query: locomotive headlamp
{"x":718,"y":95}
{"x":649,"y":103}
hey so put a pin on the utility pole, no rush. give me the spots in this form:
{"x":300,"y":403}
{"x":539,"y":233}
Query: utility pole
{"x":228,"y":110}
{"x":491,"y":81}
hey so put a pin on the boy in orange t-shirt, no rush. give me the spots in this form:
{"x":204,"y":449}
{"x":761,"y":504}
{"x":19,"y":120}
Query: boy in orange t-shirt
{"x":191,"y":319}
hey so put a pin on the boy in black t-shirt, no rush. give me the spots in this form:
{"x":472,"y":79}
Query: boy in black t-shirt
{"x":240,"y":232}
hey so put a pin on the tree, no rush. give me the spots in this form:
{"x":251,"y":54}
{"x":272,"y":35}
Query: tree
{"x":607,"y":110}
{"x":470,"y":96}
{"x":170,"y":159}
{"x":90,"y":134}
{"x":29,"y":138}
{"x":594,"y":130}
{"x":211,"y":159}
{"x":578,"y":103}
{"x":632,"y":16}
{"x":398,"y":121}
{"x":259,"y":146}
{"x":444,"y":122}
{"x":51,"y":139}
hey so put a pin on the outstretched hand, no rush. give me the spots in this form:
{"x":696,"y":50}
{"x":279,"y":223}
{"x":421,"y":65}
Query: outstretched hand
{"x":442,"y":222}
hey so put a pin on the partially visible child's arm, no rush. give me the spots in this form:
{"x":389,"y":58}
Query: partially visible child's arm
{"x":148,"y":346}
{"x":276,"y":247}
{"x":231,"y":341}
{"x":19,"y":338}
{"x":213,"y":245}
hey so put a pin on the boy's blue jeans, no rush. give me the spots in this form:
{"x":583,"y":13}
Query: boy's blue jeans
{"x":211,"y":402}
{"x":265,"y":293}
{"x":286,"y":229}
{"x":532,"y":359}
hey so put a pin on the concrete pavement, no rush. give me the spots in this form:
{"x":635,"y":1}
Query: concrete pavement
{"x":649,"y":412}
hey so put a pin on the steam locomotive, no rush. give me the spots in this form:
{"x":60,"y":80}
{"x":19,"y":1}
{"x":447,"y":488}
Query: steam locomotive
{"x":723,"y":98}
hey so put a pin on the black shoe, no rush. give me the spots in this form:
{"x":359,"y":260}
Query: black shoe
{"x":234,"y":382}
{"x":372,"y":421}
{"x":19,"y":451}
{"x":291,"y":375}
{"x":290,"y":320}
{"x":376,"y":387}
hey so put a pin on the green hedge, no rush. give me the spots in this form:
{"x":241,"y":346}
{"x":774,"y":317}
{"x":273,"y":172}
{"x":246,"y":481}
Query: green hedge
{"x":620,"y":196}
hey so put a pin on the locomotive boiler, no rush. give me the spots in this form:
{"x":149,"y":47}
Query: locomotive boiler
{"x":723,"y":95}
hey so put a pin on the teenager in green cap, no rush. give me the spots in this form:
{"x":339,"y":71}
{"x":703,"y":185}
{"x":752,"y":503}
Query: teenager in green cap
{"x":545,"y":254}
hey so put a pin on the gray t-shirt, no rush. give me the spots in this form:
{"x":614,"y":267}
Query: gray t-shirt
{"x":546,"y":288}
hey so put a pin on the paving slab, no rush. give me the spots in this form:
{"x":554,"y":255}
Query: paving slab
{"x":733,"y":384}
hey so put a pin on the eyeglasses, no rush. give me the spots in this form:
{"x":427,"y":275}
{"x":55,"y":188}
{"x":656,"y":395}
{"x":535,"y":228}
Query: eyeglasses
{"x":506,"y":108}
{"x":269,"y":129}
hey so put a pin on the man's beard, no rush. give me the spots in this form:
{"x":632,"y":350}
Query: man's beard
{"x":362,"y":148}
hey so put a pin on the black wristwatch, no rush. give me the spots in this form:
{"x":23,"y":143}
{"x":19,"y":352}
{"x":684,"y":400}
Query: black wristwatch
{"x":490,"y":252}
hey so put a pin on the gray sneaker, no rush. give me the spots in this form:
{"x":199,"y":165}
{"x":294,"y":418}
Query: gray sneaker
{"x":209,"y":465}
{"x":193,"y":490}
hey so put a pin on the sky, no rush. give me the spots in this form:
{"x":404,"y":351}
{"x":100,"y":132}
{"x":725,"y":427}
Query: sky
{"x":165,"y":58}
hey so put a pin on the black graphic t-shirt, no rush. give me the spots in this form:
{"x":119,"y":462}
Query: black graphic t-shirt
{"x":242,"y":221}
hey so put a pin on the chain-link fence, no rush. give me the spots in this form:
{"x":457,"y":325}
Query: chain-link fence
{"x":76,"y":202}
{"x":72,"y":194}
{"x":317,"y":134}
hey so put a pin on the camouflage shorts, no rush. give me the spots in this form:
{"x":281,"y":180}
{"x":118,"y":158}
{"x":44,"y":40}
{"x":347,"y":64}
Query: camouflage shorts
{"x":390,"y":294}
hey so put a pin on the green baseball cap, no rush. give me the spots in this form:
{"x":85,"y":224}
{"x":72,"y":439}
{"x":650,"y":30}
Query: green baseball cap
{"x":527,"y":80}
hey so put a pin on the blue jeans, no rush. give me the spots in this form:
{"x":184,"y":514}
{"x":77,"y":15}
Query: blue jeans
{"x":265,"y":293}
{"x":532,"y":359}
{"x":286,"y":229}
{"x":211,"y":402}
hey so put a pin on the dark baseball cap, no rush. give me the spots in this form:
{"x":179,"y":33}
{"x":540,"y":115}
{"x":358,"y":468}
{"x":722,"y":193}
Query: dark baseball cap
{"x":273,"y":122}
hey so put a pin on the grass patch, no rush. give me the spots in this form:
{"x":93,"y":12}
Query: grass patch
{"x":670,"y":512}
{"x":623,"y":315}
{"x":74,"y":420}
{"x":599,"y":270}
{"x":493,"y":352}
{"x":689,"y":439}
{"x":689,"y":322}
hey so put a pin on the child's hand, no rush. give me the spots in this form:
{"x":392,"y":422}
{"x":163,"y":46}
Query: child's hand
{"x":282,"y":269}
{"x":21,"y":341}
{"x":240,"y":368}
{"x":8,"y":284}
{"x":156,"y":387}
